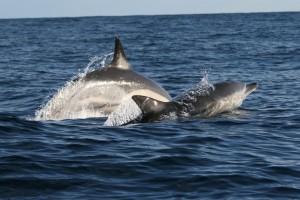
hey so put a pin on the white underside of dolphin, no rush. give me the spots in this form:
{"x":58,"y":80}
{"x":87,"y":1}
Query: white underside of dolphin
{"x":98,"y":93}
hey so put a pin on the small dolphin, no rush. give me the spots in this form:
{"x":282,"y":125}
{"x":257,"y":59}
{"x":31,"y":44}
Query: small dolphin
{"x":216,"y":99}
{"x":98,"y":93}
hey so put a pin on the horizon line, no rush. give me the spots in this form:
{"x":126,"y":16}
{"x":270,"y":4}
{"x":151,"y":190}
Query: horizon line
{"x":169,"y":14}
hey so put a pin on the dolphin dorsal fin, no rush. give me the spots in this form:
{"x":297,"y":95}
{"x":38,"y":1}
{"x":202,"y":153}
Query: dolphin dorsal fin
{"x":147,"y":104}
{"x":120,"y":60}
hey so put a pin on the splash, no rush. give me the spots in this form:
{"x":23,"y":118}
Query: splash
{"x":187,"y":98}
{"x":126,"y":112}
{"x":96,"y":62}
{"x":203,"y":88}
{"x":68,"y":102}
{"x":80,"y":100}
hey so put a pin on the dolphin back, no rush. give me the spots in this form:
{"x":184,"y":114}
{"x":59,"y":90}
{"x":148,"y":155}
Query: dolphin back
{"x":228,"y":88}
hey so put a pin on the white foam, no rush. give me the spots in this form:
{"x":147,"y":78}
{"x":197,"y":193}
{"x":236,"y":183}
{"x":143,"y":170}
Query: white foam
{"x":70,"y":103}
{"x":82,"y":100}
{"x":97,"y":62}
{"x":124,"y":113}
{"x":201,"y":89}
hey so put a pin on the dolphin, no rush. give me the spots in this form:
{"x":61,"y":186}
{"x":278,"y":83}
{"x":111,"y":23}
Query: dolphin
{"x":98,"y":93}
{"x":119,"y":77}
{"x":213,"y":100}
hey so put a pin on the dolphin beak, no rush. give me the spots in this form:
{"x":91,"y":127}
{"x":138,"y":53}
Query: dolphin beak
{"x":251,"y":87}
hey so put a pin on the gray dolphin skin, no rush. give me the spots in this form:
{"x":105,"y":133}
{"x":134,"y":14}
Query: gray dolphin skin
{"x":118,"y":83}
{"x":219,"y":98}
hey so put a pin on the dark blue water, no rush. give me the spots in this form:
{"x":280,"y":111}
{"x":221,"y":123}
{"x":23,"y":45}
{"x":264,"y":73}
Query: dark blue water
{"x":253,"y":154}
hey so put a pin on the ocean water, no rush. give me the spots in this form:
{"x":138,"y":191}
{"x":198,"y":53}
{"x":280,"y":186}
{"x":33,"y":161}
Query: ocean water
{"x":249,"y":154}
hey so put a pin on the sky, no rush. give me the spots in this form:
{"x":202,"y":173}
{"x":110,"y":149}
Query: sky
{"x":77,"y":8}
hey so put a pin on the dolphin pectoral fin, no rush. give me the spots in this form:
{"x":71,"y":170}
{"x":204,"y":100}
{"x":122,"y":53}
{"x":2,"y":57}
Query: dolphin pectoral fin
{"x":250,"y":88}
{"x":149,"y":105}
{"x":120,"y":60}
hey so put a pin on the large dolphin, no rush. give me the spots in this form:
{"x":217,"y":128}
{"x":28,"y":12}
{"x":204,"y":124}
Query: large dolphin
{"x":98,"y":93}
{"x":218,"y":98}
{"x":119,"y":76}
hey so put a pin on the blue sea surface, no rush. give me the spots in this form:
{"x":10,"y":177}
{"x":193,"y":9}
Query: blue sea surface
{"x":250,"y":154}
